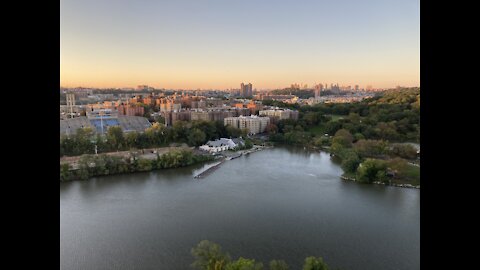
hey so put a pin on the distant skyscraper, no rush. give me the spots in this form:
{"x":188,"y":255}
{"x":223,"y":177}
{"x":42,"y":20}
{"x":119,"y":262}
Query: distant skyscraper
{"x":356,"y":87}
{"x":318,"y":90}
{"x":246,"y":90}
{"x":70,"y":102}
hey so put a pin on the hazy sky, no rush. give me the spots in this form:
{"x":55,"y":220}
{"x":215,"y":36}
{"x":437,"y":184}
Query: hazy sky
{"x":218,"y":44}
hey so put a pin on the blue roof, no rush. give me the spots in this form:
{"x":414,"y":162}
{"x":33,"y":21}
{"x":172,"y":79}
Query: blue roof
{"x":97,"y":123}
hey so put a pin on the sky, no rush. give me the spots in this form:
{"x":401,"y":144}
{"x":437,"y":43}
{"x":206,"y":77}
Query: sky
{"x":217,"y":44}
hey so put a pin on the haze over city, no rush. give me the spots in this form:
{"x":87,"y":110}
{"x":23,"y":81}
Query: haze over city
{"x":218,"y":44}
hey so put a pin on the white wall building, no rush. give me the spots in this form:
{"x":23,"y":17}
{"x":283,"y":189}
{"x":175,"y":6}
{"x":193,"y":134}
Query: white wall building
{"x":219,"y":145}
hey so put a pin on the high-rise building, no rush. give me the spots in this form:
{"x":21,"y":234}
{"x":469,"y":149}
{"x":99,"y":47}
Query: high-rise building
{"x":280,"y":114}
{"x":318,"y":90}
{"x":246,"y":90}
{"x":253,"y":124}
{"x":70,"y":103}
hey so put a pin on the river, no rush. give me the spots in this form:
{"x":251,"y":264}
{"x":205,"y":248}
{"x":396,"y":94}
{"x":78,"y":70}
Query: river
{"x":280,"y":203}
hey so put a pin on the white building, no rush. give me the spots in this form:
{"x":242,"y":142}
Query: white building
{"x":220,"y":145}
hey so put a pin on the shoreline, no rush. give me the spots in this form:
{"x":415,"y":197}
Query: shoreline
{"x":381,"y":183}
{"x":225,"y":157}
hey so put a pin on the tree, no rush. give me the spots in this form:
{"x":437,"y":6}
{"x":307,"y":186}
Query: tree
{"x":343,"y":133}
{"x":153,"y":134}
{"x":342,"y":139}
{"x":244,"y":264}
{"x":370,"y":148}
{"x":350,"y":161}
{"x":131,"y":140}
{"x":248,"y":144}
{"x":387,"y":131}
{"x":179,"y":131}
{"x":370,"y":170}
{"x":209,"y":256}
{"x":354,"y":117}
{"x":65,"y":174}
{"x":196,"y":137}
{"x":233,"y":132}
{"x":271,"y":128}
{"x":321,"y":141}
{"x":311,"y":118}
{"x":278,"y":265}
{"x":332,"y":126}
{"x":115,"y":137}
{"x":358,"y":136}
{"x":404,"y":151}
{"x":312,"y":263}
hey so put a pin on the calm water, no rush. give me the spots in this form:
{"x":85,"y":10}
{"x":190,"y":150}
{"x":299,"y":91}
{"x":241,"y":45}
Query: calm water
{"x":281,"y":203}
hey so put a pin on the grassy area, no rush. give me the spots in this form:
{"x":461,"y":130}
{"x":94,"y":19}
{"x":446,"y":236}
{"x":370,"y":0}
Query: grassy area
{"x":336,"y":117}
{"x":411,"y":175}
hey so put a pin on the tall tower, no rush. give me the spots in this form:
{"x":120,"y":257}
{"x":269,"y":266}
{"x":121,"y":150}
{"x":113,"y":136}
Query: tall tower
{"x":242,"y":89}
{"x":70,"y":102}
{"x":318,"y":90}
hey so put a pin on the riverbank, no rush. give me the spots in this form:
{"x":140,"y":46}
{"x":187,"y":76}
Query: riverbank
{"x":349,"y":178}
{"x":100,"y":165}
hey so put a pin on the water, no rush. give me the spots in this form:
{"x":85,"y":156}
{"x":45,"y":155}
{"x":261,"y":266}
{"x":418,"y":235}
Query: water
{"x":281,"y":203}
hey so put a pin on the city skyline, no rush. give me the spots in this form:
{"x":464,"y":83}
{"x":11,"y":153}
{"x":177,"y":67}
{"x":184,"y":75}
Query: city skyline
{"x":218,"y":45}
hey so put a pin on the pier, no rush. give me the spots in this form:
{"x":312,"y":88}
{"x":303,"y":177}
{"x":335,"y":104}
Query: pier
{"x":209,"y":169}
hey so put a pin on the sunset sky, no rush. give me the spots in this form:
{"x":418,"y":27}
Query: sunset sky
{"x":218,"y":44}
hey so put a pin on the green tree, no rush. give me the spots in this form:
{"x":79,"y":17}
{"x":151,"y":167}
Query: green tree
{"x":209,"y":256}
{"x":370,"y":148}
{"x":321,"y":141}
{"x":404,"y":151}
{"x":115,"y":137}
{"x":358,"y":136}
{"x":233,"y":132}
{"x":370,"y":170}
{"x":312,"y":263}
{"x":278,"y":265}
{"x":345,"y":135}
{"x":350,"y":161}
{"x":131,"y":140}
{"x":354,"y":117}
{"x":332,"y":126}
{"x":244,"y":264}
{"x":65,"y":174}
{"x":196,"y":137}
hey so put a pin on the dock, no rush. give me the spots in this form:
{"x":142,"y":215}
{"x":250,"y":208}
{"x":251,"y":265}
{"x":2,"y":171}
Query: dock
{"x":209,"y":169}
